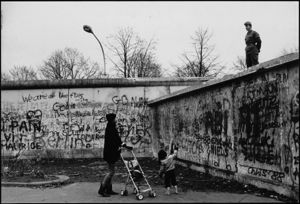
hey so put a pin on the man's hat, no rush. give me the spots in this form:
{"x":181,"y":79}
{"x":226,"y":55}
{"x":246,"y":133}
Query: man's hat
{"x":110,"y":116}
{"x":248,"y":23}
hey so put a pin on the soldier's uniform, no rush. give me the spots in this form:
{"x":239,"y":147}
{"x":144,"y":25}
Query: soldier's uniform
{"x":253,"y":44}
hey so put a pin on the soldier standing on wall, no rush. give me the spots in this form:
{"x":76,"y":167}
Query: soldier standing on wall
{"x":253,"y":44}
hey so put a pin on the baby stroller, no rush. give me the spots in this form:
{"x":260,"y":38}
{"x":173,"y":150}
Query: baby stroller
{"x":135,"y":175}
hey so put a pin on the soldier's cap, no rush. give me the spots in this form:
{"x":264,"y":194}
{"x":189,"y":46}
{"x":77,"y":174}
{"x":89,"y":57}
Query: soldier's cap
{"x":247,"y":23}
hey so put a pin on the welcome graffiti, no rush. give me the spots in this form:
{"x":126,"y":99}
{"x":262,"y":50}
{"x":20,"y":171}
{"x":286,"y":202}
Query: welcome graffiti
{"x":70,"y":120}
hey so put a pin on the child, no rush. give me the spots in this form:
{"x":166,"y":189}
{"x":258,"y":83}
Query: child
{"x":167,"y":167}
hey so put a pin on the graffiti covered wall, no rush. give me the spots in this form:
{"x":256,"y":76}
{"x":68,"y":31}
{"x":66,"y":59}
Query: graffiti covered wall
{"x":247,"y":126}
{"x":71,"y":121}
{"x":267,"y":127}
{"x":202,"y":126}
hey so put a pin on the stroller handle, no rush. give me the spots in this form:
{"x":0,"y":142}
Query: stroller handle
{"x":126,"y":147}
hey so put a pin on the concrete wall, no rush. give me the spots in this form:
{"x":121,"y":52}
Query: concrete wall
{"x":67,"y":118}
{"x":244,"y":127}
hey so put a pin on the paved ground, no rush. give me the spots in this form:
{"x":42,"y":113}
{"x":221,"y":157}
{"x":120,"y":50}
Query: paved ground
{"x":86,"y":192}
{"x":195,"y":186}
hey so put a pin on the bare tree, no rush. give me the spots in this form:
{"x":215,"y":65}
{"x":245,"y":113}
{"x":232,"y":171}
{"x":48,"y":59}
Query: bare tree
{"x":23,"y":73}
{"x":69,"y":64}
{"x":134,"y":56}
{"x":147,"y":67}
{"x":5,"y":77}
{"x":201,"y":62}
{"x":240,"y":64}
{"x":123,"y":48}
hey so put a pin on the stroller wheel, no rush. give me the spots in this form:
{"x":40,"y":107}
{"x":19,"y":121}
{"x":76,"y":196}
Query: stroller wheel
{"x":139,"y":196}
{"x":124,"y":193}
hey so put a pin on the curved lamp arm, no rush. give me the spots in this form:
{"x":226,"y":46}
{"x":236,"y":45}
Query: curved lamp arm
{"x":88,"y":29}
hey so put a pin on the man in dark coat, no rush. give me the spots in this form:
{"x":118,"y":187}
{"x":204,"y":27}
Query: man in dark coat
{"x":253,"y":45}
{"x":112,"y":141}
{"x":111,"y":154}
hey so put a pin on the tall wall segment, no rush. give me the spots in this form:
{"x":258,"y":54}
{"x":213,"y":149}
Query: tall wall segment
{"x":244,"y":127}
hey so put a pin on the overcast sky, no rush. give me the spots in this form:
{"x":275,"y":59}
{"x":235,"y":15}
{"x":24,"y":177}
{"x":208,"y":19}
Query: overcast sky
{"x":31,"y":31}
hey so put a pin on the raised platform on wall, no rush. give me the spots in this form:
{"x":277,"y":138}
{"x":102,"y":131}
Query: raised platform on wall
{"x":245,"y":124}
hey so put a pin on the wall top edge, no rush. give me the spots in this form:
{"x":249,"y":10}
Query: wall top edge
{"x":104,"y":82}
{"x":265,"y":66}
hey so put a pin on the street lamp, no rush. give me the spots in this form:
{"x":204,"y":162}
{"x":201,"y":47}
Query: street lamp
{"x":88,"y":29}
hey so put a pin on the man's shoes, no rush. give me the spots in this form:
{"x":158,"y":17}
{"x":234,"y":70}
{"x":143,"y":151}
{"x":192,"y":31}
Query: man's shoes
{"x":110,"y":191}
{"x":104,"y":194}
{"x":102,"y":191}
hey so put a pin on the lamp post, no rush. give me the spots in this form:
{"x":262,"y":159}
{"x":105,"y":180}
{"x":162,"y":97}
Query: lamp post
{"x":88,"y":29}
